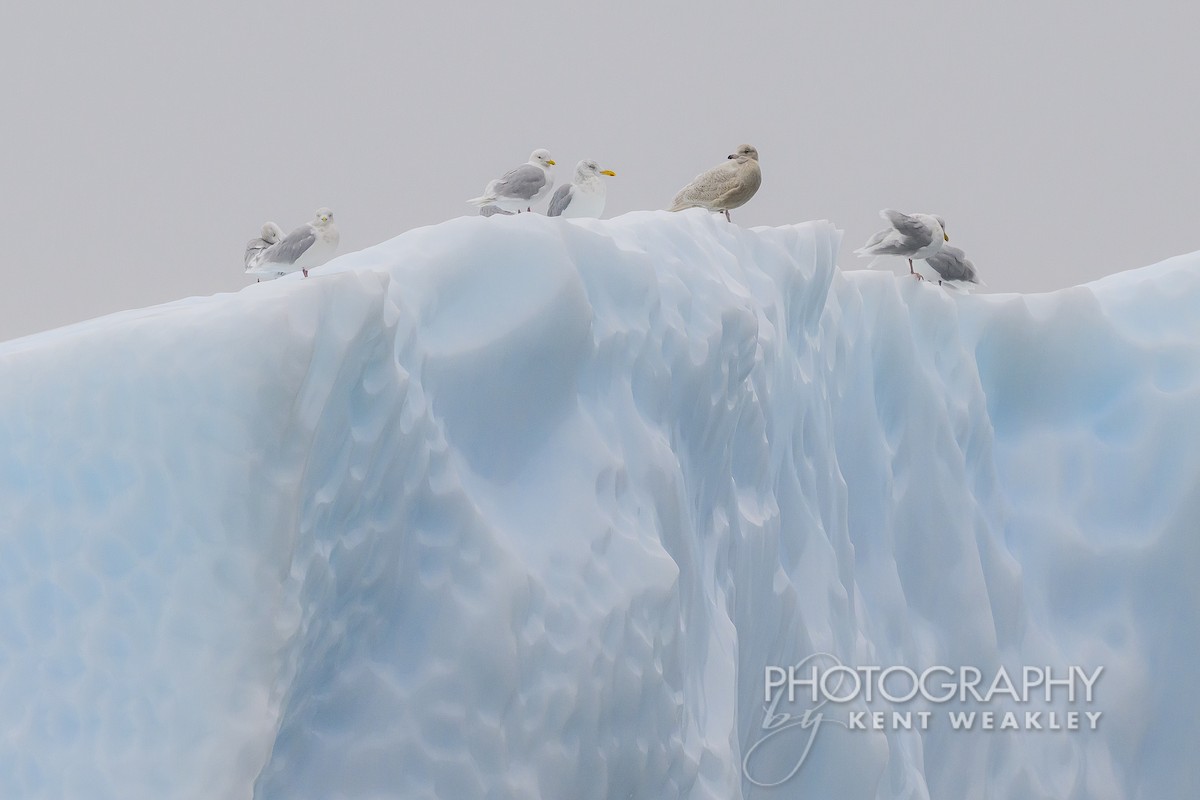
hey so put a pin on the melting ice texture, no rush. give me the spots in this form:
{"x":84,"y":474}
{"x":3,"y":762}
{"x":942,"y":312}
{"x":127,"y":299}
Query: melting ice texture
{"x":523,"y":508}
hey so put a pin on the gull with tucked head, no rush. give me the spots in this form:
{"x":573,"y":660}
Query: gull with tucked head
{"x":911,"y":236}
{"x":522,"y":187}
{"x":728,"y":185}
{"x":952,"y":266}
{"x":584,"y":196}
{"x":309,"y":246}
{"x":271,"y":233}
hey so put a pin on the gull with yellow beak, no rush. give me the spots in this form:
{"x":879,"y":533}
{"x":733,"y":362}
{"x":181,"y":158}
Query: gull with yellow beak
{"x":309,"y":246}
{"x":522,"y":187}
{"x":584,"y":196}
{"x":911,"y":236}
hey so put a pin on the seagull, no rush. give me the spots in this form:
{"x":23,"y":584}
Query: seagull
{"x":583,"y":197}
{"x":725,"y":186}
{"x":952,"y":265}
{"x":913,"y":236}
{"x":271,"y":233}
{"x":309,"y":246}
{"x":491,"y":211}
{"x":521,"y":187}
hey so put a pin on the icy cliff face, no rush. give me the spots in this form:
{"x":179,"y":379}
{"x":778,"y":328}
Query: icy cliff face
{"x":523,"y":508}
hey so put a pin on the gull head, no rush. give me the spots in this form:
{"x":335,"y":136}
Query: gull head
{"x":745,"y":153}
{"x":942,"y":224}
{"x":936,"y":223}
{"x":541,"y":157}
{"x":586,"y":169}
{"x":271,"y":233}
{"x":324,"y":217}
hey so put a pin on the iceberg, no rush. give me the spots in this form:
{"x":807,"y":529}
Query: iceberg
{"x":529,"y":508}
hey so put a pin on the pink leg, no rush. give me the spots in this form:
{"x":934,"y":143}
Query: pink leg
{"x":727,"y":217}
{"x":305,"y":272}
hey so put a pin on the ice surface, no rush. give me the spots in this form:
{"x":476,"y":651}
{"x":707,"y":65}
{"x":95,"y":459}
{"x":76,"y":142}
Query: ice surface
{"x":523,"y":507}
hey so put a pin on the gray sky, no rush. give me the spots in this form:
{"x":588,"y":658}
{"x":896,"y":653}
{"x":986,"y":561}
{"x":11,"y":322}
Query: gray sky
{"x":144,"y":143}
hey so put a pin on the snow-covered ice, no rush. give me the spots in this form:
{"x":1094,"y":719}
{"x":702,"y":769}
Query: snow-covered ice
{"x":523,"y":507}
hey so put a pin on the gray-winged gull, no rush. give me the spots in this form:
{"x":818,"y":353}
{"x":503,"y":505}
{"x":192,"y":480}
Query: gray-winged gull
{"x":520,"y":188}
{"x":912,"y":236}
{"x":952,"y":265}
{"x":725,"y":186}
{"x":271,"y":233}
{"x":309,"y":246}
{"x":582,"y":197}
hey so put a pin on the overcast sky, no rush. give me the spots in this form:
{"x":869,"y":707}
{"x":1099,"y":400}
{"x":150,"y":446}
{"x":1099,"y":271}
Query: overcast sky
{"x":144,"y":143}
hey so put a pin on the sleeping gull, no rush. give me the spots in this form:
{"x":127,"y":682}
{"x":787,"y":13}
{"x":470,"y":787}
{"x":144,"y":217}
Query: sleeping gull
{"x":520,"y":188}
{"x":491,"y":211}
{"x":271,"y":233}
{"x":725,"y":186}
{"x":309,"y":246}
{"x":952,"y":266}
{"x":583,"y":197}
{"x":913,"y":236}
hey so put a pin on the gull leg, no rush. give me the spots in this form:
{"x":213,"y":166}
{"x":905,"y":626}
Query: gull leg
{"x":727,"y":217}
{"x":305,"y":272}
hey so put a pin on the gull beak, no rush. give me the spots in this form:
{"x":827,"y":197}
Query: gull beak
{"x":550,"y":161}
{"x":608,"y":172}
{"x":732,"y":156}
{"x":945,"y":236}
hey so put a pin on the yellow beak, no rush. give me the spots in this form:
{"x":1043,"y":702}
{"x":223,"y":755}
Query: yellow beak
{"x":608,"y":172}
{"x":945,"y":236}
{"x":550,"y":161}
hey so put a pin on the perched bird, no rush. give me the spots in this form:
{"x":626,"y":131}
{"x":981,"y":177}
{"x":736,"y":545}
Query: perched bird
{"x":271,"y":233}
{"x":491,"y":211}
{"x":584,"y":196}
{"x":520,"y":188}
{"x":913,"y":236}
{"x":951,"y":264}
{"x":309,"y":246}
{"x":723,"y":187}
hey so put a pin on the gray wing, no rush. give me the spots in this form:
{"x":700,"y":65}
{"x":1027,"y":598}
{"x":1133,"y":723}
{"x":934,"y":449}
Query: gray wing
{"x":912,"y":231}
{"x":876,"y":239}
{"x":292,"y":247}
{"x":952,"y":264}
{"x":560,"y":200}
{"x":523,"y":182}
{"x":253,"y":248}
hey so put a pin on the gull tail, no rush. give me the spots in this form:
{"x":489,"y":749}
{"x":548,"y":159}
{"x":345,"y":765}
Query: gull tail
{"x":485,"y":200}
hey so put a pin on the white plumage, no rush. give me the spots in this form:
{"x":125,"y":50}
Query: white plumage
{"x":584,"y":196}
